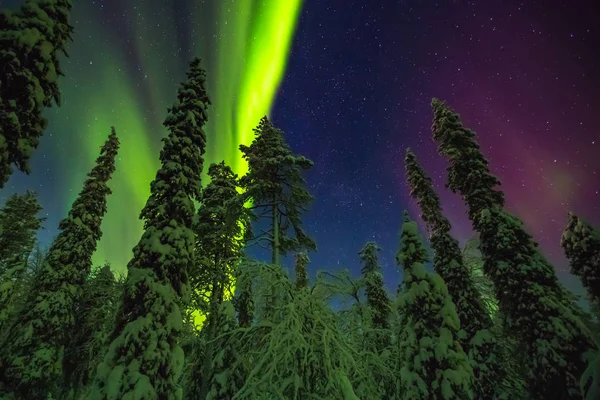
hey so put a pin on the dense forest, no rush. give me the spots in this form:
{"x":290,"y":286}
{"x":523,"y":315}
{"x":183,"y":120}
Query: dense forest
{"x":490,"y":320}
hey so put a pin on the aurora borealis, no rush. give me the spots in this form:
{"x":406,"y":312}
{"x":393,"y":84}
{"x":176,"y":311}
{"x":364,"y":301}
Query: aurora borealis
{"x":126,"y":63}
{"x":350,"y":83}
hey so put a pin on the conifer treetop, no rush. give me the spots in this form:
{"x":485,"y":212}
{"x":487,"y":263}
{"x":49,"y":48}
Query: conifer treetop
{"x":274,"y":179}
{"x":368,"y":255}
{"x":421,"y":187}
{"x":411,"y":247}
{"x":469,"y":169}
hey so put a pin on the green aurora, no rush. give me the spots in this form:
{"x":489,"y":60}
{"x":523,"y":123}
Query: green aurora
{"x":129,"y":82}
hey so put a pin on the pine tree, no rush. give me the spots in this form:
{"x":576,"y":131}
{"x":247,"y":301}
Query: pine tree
{"x":433,"y":364}
{"x":581,"y":243}
{"x":30,"y":45}
{"x":219,"y":231}
{"x":145,"y":359}
{"x":475,"y":337}
{"x":37,"y":342}
{"x":275,"y":187}
{"x":95,"y":314}
{"x":301,"y":265}
{"x":535,"y":305}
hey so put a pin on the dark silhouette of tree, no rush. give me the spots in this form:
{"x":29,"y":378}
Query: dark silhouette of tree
{"x":275,"y":187}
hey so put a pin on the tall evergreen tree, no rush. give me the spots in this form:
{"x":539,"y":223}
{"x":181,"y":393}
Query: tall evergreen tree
{"x":276,"y":188}
{"x":581,"y":243}
{"x":476,"y":336}
{"x":37,"y":343}
{"x":377,"y":299}
{"x":301,"y":265}
{"x":145,"y":359}
{"x":433,"y":364}
{"x":219,"y":231}
{"x":535,"y":305}
{"x":31,"y":42}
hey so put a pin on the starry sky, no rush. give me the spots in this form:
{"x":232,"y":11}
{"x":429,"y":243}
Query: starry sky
{"x":350,"y":83}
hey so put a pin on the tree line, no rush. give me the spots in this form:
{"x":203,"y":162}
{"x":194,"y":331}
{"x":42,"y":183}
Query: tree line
{"x":490,"y":321}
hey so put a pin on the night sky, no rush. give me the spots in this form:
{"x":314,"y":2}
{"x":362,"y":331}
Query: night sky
{"x":350,"y":83}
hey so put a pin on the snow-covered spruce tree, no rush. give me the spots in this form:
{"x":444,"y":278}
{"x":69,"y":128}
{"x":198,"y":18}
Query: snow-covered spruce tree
{"x":304,"y":356}
{"x":378,"y":301}
{"x":535,"y":305}
{"x":38,"y":340}
{"x":276,"y":188}
{"x":433,"y":364}
{"x":219,"y":231}
{"x":31,"y":42}
{"x":144,"y":359}
{"x":300,"y":267}
{"x":581,"y":243}
{"x":475,"y":336}
{"x":94,"y":317}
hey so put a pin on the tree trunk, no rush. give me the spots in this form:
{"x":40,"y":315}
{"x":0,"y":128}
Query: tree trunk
{"x":275,"y":217}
